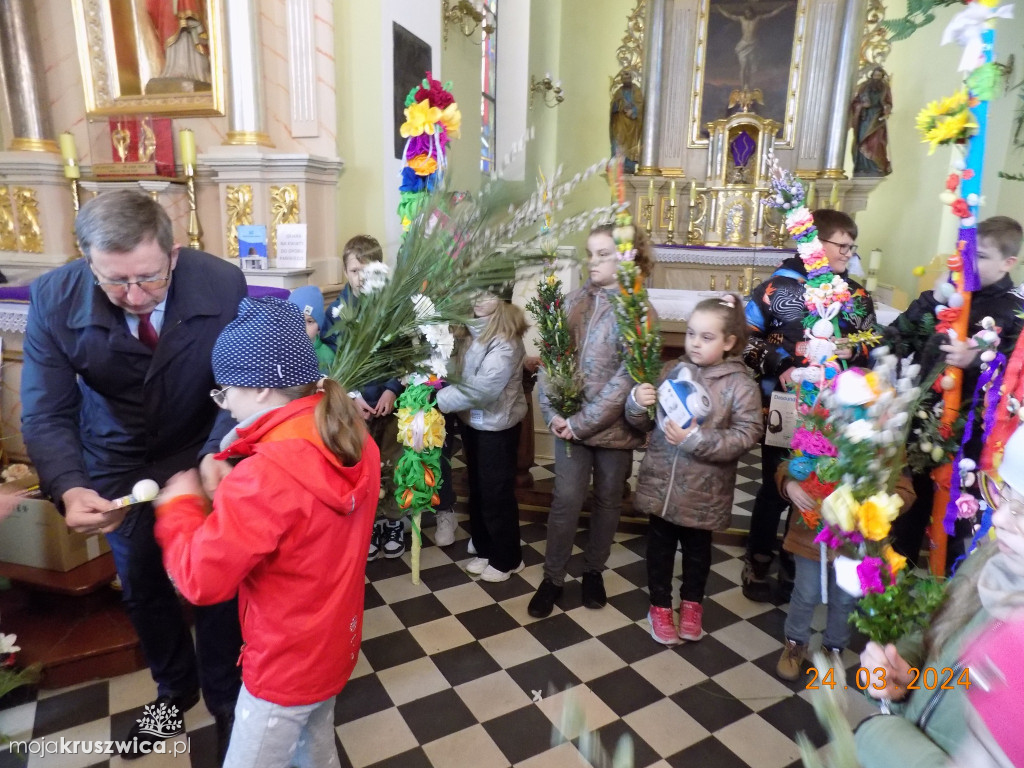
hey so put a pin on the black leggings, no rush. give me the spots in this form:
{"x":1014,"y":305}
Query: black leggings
{"x":663,"y":538}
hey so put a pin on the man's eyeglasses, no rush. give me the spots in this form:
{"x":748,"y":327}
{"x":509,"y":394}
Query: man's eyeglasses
{"x":147,"y":284}
{"x":995,"y":495}
{"x":219,"y":395}
{"x":844,"y":248}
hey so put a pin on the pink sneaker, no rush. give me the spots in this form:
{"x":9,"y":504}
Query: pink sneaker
{"x":689,"y":620}
{"x":663,"y":628}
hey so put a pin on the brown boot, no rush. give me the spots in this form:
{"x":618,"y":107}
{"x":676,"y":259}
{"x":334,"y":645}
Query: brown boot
{"x":791,"y":662}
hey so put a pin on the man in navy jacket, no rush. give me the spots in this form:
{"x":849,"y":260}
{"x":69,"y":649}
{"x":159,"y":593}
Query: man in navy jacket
{"x":116,"y":388}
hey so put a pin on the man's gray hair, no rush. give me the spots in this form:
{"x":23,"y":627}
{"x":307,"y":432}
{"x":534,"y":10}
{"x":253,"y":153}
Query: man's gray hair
{"x":119,"y":221}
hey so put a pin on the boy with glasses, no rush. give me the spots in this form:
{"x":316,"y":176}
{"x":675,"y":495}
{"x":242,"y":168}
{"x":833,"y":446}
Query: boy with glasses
{"x":775,"y":313}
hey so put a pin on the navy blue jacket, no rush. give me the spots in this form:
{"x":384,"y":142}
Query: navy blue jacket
{"x":102,"y":411}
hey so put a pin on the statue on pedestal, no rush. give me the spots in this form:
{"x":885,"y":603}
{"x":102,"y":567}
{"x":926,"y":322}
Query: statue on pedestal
{"x":869,"y":113}
{"x":626,"y":122}
{"x":181,"y":29}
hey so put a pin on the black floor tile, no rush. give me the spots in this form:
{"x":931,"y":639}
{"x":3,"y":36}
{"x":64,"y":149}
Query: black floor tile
{"x":545,"y":674}
{"x":557,"y":632}
{"x":487,"y":621}
{"x":514,"y":586}
{"x":436,"y":716}
{"x":521,"y":734}
{"x":634,"y":573}
{"x":392,"y":649}
{"x":419,"y":610}
{"x":372,"y":598}
{"x":414,"y":758}
{"x":708,"y":752}
{"x":625,"y":691}
{"x":360,"y":697}
{"x":444,"y":576}
{"x":610,"y":735}
{"x":631,"y":643}
{"x":793,"y":715}
{"x":533,"y":532}
{"x":716,"y":617}
{"x":465,"y":663}
{"x":633,"y":604}
{"x":709,"y":656}
{"x":711,"y":705}
{"x":66,"y":710}
{"x":386,"y":568}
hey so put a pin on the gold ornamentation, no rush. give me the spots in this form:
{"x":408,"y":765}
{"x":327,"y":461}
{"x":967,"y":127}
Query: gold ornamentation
{"x":248,"y":138}
{"x":8,"y":233}
{"x":875,"y":46}
{"x":694,"y":139}
{"x":20,"y":143}
{"x":630,"y":54}
{"x":121,"y":139}
{"x":745,"y":99}
{"x":284,"y":208}
{"x":238,"y":203}
{"x":148,"y":144}
{"x":30,"y":233}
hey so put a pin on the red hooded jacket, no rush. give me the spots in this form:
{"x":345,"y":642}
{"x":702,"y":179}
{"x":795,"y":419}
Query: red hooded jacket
{"x":289,"y":531}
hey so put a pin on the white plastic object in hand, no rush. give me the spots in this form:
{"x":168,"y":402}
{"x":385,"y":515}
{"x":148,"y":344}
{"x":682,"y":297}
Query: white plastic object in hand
{"x":846,"y":575}
{"x":144,"y":490}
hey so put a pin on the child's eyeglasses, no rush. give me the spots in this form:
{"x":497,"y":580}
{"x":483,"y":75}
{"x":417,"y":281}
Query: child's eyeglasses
{"x":219,"y":395}
{"x":844,"y":248}
{"x":995,"y":494}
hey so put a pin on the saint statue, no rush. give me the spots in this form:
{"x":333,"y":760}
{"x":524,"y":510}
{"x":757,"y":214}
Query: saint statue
{"x":746,"y":49}
{"x":624,"y":128}
{"x":869,"y":112}
{"x":181,"y":29}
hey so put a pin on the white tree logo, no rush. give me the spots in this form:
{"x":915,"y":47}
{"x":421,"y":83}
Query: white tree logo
{"x":163,"y":721}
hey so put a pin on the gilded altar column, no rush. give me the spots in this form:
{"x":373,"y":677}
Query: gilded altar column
{"x":247,"y":115}
{"x":24,"y":77}
{"x":846,"y":70}
{"x":654,"y":38}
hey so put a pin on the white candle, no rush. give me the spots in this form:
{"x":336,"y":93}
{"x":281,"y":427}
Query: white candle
{"x":650,"y":191}
{"x":672,"y":192}
{"x":187,"y":147}
{"x":809,"y":202}
{"x":834,"y":197}
{"x":693,"y":192}
{"x":70,"y":155}
{"x":874,"y":260}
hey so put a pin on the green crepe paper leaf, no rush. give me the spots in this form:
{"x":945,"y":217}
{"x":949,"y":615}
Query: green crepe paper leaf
{"x":984,"y":81}
{"x":409,"y":204}
{"x":410,"y":99}
{"x":417,"y":397}
{"x":409,"y":475}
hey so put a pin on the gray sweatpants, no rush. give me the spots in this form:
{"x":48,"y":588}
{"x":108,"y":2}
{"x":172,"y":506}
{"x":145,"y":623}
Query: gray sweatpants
{"x":610,"y":467}
{"x":268,"y":735}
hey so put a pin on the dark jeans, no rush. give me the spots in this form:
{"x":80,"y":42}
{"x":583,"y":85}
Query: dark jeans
{"x":572,"y":479}
{"x":663,"y":538}
{"x":156,"y":614}
{"x":908,"y":529}
{"x":493,"y":509}
{"x":768,"y":505}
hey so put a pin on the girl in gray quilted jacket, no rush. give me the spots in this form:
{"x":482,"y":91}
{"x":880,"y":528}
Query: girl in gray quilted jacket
{"x":708,"y":416}
{"x":490,"y":403}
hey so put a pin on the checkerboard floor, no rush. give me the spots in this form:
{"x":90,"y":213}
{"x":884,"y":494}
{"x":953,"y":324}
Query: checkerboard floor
{"x":453,"y":672}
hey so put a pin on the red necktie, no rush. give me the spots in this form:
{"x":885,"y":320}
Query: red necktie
{"x":147,"y":333}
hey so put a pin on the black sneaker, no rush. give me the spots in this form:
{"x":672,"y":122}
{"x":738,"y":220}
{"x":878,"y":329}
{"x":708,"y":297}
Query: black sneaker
{"x":755,"y":578}
{"x":394,"y":539}
{"x":543,"y":602}
{"x":593,"y":590}
{"x":376,"y":541}
{"x":161,"y":720}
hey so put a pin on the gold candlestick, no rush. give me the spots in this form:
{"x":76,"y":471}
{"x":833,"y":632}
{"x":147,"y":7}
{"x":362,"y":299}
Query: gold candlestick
{"x":670,"y":237}
{"x":648,"y":214}
{"x":195,"y":229}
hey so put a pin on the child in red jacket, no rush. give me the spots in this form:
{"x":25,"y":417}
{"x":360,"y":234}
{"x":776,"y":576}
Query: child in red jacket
{"x":289,"y":531}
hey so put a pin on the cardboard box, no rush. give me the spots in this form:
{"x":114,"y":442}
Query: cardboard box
{"x":33,"y":533}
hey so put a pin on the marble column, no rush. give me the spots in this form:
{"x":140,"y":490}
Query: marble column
{"x":247,"y":114}
{"x":24,"y":77}
{"x":654,"y":42}
{"x":846,"y":70}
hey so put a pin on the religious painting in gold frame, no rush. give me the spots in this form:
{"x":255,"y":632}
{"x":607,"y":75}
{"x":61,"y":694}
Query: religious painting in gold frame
{"x":752,"y":44}
{"x":157,"y":57}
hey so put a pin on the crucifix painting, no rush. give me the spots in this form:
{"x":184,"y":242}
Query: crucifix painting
{"x":749,"y":47}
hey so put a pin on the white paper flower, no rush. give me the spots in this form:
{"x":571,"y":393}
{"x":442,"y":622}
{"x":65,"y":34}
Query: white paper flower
{"x":424,"y":307}
{"x":7,"y":644}
{"x":374,"y":277}
{"x":859,"y":430}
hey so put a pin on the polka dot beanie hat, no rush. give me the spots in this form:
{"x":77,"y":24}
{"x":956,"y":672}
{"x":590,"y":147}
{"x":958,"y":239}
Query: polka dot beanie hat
{"x":265,"y":346}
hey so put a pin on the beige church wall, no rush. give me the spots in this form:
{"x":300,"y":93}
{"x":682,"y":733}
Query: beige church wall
{"x":461,"y":61}
{"x":904,"y":217}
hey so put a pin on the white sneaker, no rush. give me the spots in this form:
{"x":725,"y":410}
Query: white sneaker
{"x":477,"y":565}
{"x":470,"y":548}
{"x":490,"y":573}
{"x":444,"y":533}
